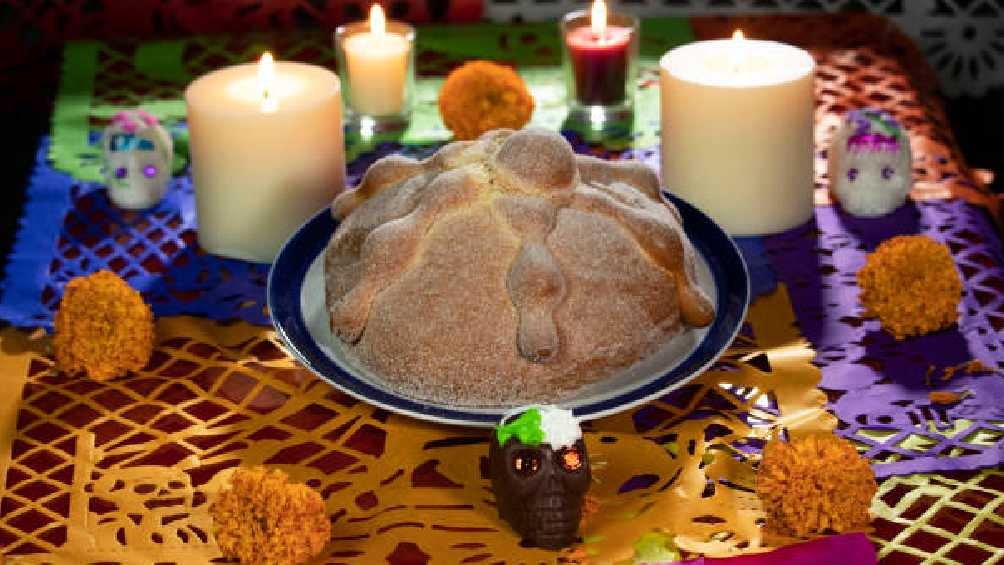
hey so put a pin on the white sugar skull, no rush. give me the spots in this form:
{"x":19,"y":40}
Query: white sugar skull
{"x":870,"y":166}
{"x":138,"y":155}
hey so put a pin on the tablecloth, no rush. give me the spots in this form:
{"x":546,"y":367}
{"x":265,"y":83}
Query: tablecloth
{"x":122,"y":471}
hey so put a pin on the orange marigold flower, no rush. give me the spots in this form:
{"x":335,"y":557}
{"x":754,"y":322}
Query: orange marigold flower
{"x":945,"y":397}
{"x":103,"y":327}
{"x":971,"y":367}
{"x":976,"y":366}
{"x":262,"y":519}
{"x":815,"y":484}
{"x":910,"y":284}
{"x":480,"y":96}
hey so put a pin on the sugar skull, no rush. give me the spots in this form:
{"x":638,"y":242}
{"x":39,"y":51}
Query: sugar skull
{"x":540,"y":475}
{"x":870,"y":166}
{"x":138,"y":155}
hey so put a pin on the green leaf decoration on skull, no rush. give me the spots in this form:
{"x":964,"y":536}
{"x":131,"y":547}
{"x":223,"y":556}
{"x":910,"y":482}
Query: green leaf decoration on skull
{"x":526,"y":428}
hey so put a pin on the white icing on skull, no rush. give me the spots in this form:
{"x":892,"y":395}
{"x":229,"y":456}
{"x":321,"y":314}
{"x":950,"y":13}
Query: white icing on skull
{"x":870,"y":166}
{"x":556,"y":426}
{"x":560,"y":426}
{"x":138,"y":155}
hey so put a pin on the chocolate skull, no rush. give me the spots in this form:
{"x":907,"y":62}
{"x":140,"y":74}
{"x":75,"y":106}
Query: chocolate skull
{"x":539,"y":489}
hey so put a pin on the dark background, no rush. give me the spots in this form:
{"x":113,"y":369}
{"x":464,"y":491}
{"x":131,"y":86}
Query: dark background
{"x":29,"y":73}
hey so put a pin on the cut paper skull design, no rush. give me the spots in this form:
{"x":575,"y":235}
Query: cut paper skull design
{"x":138,"y":156}
{"x":870,"y":166}
{"x":540,"y":474}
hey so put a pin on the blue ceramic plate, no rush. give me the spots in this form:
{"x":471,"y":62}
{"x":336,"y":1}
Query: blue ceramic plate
{"x":296,"y":302}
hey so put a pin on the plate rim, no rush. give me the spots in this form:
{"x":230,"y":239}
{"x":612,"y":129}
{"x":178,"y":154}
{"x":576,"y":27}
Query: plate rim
{"x":289,"y":324}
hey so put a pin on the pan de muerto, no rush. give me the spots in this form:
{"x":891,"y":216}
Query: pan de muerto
{"x":507,"y":270}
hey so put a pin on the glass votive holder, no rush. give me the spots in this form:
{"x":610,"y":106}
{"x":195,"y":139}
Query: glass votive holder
{"x":600,"y":64}
{"x":376,"y":60}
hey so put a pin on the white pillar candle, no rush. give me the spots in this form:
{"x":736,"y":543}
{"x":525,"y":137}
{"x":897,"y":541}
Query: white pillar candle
{"x":377,"y":61}
{"x":737,"y":126}
{"x":267,"y":153}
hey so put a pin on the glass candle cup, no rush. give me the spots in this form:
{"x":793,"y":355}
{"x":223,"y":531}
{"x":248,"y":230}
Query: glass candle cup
{"x":377,"y":65}
{"x":600,"y":65}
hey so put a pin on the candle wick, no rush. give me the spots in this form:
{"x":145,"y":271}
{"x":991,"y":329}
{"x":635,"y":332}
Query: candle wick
{"x":269,"y":104}
{"x":738,"y":62}
{"x":266,"y":76}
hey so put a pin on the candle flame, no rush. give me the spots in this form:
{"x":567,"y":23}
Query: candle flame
{"x":598,"y":19}
{"x":738,"y":55}
{"x":378,"y":21}
{"x":266,"y":83}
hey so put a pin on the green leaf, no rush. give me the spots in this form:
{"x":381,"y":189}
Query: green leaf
{"x":526,"y":429}
{"x":655,"y":547}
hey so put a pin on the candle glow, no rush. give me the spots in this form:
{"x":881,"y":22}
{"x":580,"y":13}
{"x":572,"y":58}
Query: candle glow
{"x":267,"y":152}
{"x":378,"y":21}
{"x":598,"y":19}
{"x":376,"y":56}
{"x":266,"y":83}
{"x":599,"y":47}
{"x":738,"y":54}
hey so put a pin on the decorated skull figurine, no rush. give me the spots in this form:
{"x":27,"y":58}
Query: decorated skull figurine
{"x":870,"y":166}
{"x":138,"y":156}
{"x":540,"y":474}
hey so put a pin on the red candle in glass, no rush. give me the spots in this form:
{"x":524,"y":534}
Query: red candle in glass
{"x":599,"y":55}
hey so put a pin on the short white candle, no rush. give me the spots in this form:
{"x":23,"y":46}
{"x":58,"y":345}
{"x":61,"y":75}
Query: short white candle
{"x":737,"y":132}
{"x":377,"y":63}
{"x":267,"y":153}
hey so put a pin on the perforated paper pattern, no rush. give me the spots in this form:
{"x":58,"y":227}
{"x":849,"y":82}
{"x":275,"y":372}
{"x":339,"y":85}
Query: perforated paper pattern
{"x":878,"y":386}
{"x":100,"y":78}
{"x":123,"y":470}
{"x":155,"y":251}
{"x":947,"y":518}
{"x":960,"y":38}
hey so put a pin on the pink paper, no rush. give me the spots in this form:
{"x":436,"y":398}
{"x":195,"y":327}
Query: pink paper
{"x":847,"y":549}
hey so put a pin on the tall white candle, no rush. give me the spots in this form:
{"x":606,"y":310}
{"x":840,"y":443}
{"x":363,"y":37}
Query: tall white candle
{"x":377,"y":62}
{"x":737,"y":125}
{"x":267,"y":152}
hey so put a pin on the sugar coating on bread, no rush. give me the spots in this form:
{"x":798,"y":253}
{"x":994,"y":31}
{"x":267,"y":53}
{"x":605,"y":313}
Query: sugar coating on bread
{"x":507,"y":270}
{"x":535,"y":162}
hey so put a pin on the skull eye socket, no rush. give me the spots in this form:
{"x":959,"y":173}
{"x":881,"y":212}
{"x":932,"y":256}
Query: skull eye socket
{"x":887,"y":172}
{"x":852,"y":174}
{"x":570,"y":458}
{"x":526,"y":462}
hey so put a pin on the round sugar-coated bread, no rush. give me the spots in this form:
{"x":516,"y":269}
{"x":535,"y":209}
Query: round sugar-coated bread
{"x":507,"y":270}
